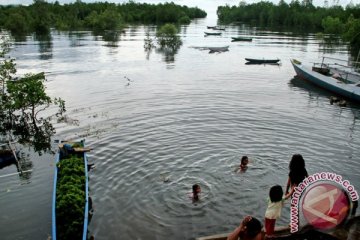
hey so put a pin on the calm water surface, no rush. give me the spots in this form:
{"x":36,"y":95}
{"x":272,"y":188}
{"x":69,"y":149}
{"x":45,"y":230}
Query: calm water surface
{"x":187,"y":117}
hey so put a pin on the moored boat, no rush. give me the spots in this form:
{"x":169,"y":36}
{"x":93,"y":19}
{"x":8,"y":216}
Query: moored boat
{"x":6,"y":157}
{"x":346,"y":85}
{"x":212,"y":33}
{"x":243,"y":39}
{"x":261,"y":60}
{"x":219,"y":49}
{"x":70,"y":203}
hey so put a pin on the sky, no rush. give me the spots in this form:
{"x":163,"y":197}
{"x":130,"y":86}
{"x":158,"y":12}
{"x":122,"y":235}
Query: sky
{"x":190,"y":3}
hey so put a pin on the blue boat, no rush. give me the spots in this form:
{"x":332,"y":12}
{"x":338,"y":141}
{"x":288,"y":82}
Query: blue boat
{"x":68,"y":152}
{"x":7,"y":157}
{"x":345,"y":84}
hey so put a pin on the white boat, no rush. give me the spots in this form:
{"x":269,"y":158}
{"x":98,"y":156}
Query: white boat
{"x":328,"y":76}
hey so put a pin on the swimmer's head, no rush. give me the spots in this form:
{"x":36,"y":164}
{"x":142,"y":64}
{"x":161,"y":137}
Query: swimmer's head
{"x":244,"y":161}
{"x":196,"y":189}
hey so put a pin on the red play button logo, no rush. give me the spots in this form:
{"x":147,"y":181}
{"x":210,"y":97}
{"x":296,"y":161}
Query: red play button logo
{"x":325,"y":205}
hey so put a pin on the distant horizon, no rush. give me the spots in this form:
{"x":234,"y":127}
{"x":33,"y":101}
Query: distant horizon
{"x":189,"y":3}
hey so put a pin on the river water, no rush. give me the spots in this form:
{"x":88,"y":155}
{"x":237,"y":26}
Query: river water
{"x":159,"y":123}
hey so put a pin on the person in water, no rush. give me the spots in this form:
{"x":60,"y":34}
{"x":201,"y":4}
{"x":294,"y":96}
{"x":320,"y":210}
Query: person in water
{"x":196,"y":190}
{"x":244,"y":163}
{"x":249,"y":229}
{"x":297,"y":172}
{"x":275,"y":203}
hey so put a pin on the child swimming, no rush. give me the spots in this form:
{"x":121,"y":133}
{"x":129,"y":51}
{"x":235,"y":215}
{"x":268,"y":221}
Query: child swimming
{"x":244,"y":162}
{"x":196,"y":190}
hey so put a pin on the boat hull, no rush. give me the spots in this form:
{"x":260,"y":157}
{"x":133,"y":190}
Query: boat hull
{"x":219,"y":49}
{"x":7,"y":158}
{"x":241,"y":39}
{"x":260,"y":61}
{"x":329,"y":83}
{"x":212,"y":34}
{"x":59,"y":158}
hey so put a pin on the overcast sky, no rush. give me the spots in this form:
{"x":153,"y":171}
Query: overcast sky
{"x":186,"y":2}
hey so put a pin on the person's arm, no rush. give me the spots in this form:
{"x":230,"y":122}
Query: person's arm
{"x":235,"y":234}
{"x":288,"y":186}
{"x":287,"y":195}
{"x":240,"y":229}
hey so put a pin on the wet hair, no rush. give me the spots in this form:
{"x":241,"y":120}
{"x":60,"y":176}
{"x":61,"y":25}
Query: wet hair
{"x":243,"y":159}
{"x":194,"y":187}
{"x":297,"y":169}
{"x":297,"y":162}
{"x":253,"y":227}
{"x":276,"y":193}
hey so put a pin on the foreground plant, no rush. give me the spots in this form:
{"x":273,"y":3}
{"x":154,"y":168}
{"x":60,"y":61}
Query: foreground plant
{"x":24,"y":104}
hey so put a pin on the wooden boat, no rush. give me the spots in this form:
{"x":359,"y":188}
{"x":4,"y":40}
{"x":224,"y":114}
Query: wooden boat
{"x":211,"y":27}
{"x":8,"y":155}
{"x":212,"y":33}
{"x":6,"y":158}
{"x":219,"y":28}
{"x":223,"y":236}
{"x":261,"y":61}
{"x":307,"y":232}
{"x":70,"y":179}
{"x":243,"y":39}
{"x":329,"y":79}
{"x":219,"y":49}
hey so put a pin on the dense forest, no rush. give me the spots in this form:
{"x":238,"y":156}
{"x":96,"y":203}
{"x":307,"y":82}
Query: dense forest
{"x":40,"y":16}
{"x":297,"y":15}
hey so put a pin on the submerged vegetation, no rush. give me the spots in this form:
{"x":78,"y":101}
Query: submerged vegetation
{"x":299,"y":15}
{"x":40,"y":16}
{"x":22,"y":104}
{"x":167,"y":36}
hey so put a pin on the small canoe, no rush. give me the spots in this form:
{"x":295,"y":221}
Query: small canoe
{"x":212,"y":33}
{"x":219,"y":49}
{"x":243,"y":39}
{"x":70,"y":219}
{"x":261,"y":61}
{"x":219,"y":28}
{"x":211,"y":27}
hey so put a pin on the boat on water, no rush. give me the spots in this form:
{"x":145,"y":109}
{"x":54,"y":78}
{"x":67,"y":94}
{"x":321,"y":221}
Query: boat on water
{"x":211,"y":27}
{"x":306,"y":232}
{"x":212,"y":33}
{"x":219,"y":49}
{"x":243,"y":39}
{"x":70,"y":201}
{"x":329,"y":77}
{"x":219,"y":28}
{"x":6,"y":158}
{"x":261,"y":60}
{"x":8,"y":155}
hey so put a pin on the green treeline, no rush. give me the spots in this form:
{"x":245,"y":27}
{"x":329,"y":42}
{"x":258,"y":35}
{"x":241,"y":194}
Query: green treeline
{"x":40,"y":16}
{"x":300,"y":15}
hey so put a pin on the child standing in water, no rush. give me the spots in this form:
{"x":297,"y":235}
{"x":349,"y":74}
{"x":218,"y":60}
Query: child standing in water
{"x":275,"y":203}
